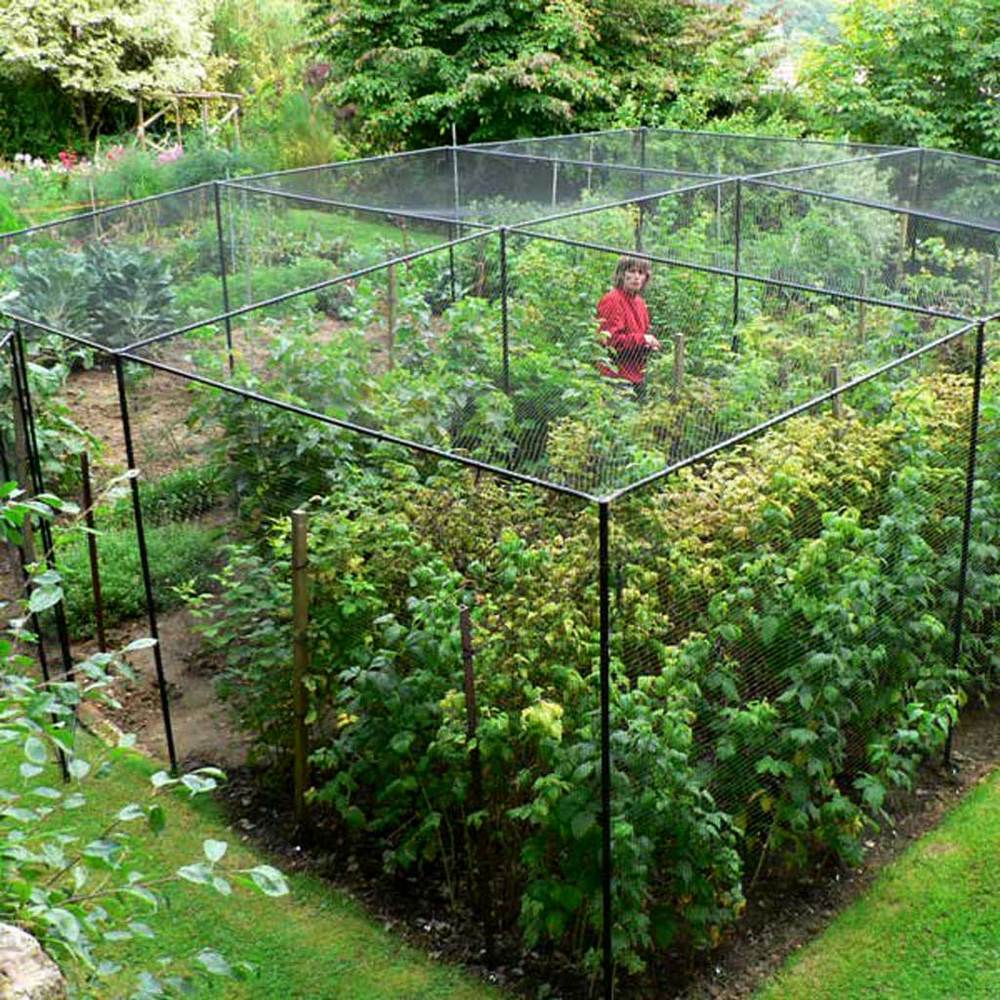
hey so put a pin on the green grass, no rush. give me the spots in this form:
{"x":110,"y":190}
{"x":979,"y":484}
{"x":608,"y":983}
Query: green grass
{"x":312,"y":945}
{"x":929,"y":927}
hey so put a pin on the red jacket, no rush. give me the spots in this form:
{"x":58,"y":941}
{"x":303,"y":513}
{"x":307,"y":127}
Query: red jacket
{"x":625,"y":321}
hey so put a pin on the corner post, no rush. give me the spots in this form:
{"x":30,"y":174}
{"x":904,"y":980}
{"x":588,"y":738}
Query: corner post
{"x":737,"y":234}
{"x":970,"y":487}
{"x":147,"y":579}
{"x":222,"y":272}
{"x":604,"y":588}
{"x":38,"y":483}
{"x":504,"y":317}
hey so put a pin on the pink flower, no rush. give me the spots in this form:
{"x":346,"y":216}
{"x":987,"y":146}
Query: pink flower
{"x":115,"y":153}
{"x":175,"y":152}
{"x":68,"y":158}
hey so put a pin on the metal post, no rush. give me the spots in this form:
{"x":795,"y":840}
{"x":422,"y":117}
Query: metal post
{"x":836,"y":380}
{"x":222,"y":272}
{"x":451,"y":259}
{"x":863,"y":307}
{"x":970,"y":483}
{"x":607,"y":959}
{"x":45,"y":529}
{"x":678,"y":375}
{"x":555,"y":183}
{"x":642,"y":189}
{"x":147,"y":579}
{"x":24,"y":551}
{"x":300,"y":657}
{"x":95,"y":569}
{"x":738,"y":226}
{"x":917,"y":198}
{"x":454,"y":171}
{"x":503,"y":309}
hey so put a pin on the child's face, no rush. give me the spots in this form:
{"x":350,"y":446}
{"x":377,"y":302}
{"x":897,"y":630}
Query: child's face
{"x":634,"y":280}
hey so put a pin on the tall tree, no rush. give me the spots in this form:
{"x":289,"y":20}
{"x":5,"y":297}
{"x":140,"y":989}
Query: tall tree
{"x":501,"y":68}
{"x":912,"y":72}
{"x":100,"y":50}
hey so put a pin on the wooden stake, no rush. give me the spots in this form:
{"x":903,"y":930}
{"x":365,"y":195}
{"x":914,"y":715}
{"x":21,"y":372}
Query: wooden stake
{"x":300,"y":661}
{"x":390,"y":333}
{"x":863,"y":307}
{"x":141,"y":127}
{"x":836,"y":381}
{"x":95,"y":569}
{"x":904,"y":229}
{"x":678,"y":383}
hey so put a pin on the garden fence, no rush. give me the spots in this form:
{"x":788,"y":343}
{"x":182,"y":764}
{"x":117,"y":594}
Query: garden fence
{"x":591,"y":663}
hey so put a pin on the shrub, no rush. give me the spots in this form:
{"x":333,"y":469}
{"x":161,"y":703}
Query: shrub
{"x":178,"y":553}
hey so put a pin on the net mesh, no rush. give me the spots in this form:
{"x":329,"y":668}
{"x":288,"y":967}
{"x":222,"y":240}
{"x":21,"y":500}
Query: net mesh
{"x":782,"y":633}
{"x":121,"y":274}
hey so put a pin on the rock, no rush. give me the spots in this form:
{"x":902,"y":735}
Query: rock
{"x":26,"y":972}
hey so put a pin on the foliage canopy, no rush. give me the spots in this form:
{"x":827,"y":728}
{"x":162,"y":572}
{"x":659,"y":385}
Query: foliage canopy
{"x":528,"y":67}
{"x":97,"y":51}
{"x":912,"y":73}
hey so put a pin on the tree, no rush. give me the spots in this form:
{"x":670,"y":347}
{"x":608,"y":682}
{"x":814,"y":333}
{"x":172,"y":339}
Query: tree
{"x":912,"y":72}
{"x":100,"y":50}
{"x":505,"y":68}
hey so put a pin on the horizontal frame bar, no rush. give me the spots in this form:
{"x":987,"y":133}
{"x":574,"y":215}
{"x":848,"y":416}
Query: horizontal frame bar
{"x":878,"y":205}
{"x":369,"y":432}
{"x":599,"y":164}
{"x":106,"y":210}
{"x":728,"y":272}
{"x":351,"y":206}
{"x":295,"y":293}
{"x":343,"y":164}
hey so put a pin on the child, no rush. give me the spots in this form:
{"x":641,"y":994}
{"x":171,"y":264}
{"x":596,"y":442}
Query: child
{"x":624,"y":321}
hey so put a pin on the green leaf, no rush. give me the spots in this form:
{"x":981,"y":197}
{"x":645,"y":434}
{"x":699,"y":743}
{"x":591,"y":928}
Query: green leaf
{"x":269,"y":880}
{"x":78,"y":768}
{"x":214,"y":850}
{"x":213,"y":962}
{"x":43,"y":598}
{"x":221,"y":886}
{"x":35,"y":750}
{"x":199,"y":874}
{"x":131,"y":812}
{"x":136,"y":644}
{"x":64,"y":922}
{"x":156,"y":818}
{"x":581,"y":823}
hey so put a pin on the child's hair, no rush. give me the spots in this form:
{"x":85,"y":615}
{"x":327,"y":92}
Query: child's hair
{"x":629,"y":263}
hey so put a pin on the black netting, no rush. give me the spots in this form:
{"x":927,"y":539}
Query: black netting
{"x":865,"y":250}
{"x":801,"y":586}
{"x":470,"y":185}
{"x":121,"y":274}
{"x":783,"y":621}
{"x":694,"y":154}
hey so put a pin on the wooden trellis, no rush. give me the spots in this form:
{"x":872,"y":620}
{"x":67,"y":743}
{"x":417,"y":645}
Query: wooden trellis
{"x":174,"y":101}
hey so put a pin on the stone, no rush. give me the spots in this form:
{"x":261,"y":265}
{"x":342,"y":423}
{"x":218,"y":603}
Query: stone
{"x":26,"y":972}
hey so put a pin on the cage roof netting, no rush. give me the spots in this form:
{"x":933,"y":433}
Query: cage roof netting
{"x":448,"y":295}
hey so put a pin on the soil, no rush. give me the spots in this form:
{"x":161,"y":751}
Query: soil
{"x":159,"y":405}
{"x":783,"y":913}
{"x":202,"y":729}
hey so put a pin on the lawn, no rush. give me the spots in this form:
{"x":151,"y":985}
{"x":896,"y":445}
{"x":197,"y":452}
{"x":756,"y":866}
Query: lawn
{"x":312,"y":945}
{"x":929,"y":927}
